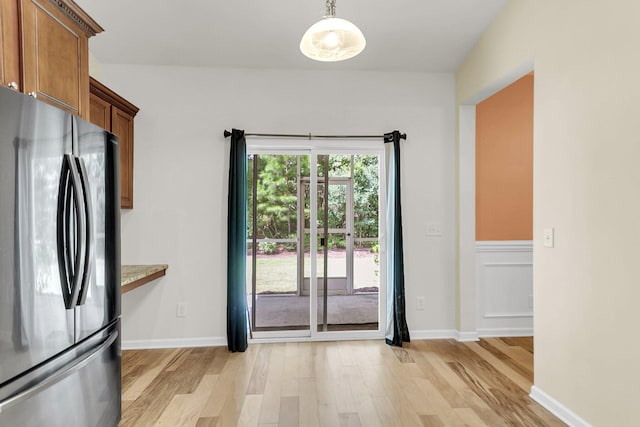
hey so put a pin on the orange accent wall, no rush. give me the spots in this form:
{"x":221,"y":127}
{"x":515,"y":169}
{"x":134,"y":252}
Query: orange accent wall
{"x":504,"y":163}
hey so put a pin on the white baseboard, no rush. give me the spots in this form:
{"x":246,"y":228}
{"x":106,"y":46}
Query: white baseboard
{"x":433,"y":334}
{"x":505,"y":332}
{"x":443,"y":334}
{"x":174,"y":343}
{"x":467,"y":336}
{"x":557,"y":408}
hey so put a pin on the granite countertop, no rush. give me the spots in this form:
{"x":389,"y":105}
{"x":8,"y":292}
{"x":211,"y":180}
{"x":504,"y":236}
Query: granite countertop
{"x":133,"y":276}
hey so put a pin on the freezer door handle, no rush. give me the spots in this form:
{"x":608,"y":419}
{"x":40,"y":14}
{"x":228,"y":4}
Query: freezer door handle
{"x":66,"y":370}
{"x":87,"y":244}
{"x":71,"y":256}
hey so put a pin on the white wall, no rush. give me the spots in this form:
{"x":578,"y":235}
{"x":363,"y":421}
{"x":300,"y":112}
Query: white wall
{"x":586,"y":180}
{"x":181,"y":168}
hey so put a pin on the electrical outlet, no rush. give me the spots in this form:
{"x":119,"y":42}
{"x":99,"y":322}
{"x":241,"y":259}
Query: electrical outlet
{"x":420,"y":303}
{"x":434,"y":229}
{"x":181,"y":309}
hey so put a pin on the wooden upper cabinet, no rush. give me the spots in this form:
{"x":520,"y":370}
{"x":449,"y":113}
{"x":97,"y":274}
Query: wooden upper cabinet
{"x":9,"y":45}
{"x":55,"y":53}
{"x":99,"y":112}
{"x":122,"y":126}
{"x":115,"y":114}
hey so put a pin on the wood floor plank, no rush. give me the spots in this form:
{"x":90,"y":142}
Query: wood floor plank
{"x":270,"y":410}
{"x":207,"y":422}
{"x":469,"y":417}
{"x":307,"y":360}
{"x":367,"y":383}
{"x":250,"y":412}
{"x":289,"y":412}
{"x":349,"y":419}
{"x":548,"y":418}
{"x":229,"y":384}
{"x":373,"y":382}
{"x":515,"y":352}
{"x":363,"y":399}
{"x":195,"y":402}
{"x":432,"y":421}
{"x":147,"y":375}
{"x":197,"y":363}
{"x":516,"y":357}
{"x":402,"y":355}
{"x":126,"y":404}
{"x":260,"y":369}
{"x":344,"y":395}
{"x":387,"y":413}
{"x":523,"y":342}
{"x":219,"y":360}
{"x":507,"y":370}
{"x":171,"y":413}
{"x":230,"y":412}
{"x":308,"y":403}
{"x":179,"y":359}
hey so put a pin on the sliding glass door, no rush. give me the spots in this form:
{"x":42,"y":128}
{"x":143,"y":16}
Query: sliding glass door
{"x":313,"y":243}
{"x":273,"y":268}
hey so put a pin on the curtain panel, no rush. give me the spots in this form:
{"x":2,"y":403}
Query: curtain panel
{"x":397,"y":330}
{"x":237,"y":323}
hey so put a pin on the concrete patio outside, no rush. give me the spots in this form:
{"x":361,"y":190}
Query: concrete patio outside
{"x":292,"y":311}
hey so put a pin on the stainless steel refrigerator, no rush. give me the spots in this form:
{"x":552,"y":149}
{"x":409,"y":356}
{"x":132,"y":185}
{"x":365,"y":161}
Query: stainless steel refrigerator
{"x":60,"y":357}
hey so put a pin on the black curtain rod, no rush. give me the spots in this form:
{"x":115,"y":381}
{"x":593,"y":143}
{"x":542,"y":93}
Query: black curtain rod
{"x":311,"y":136}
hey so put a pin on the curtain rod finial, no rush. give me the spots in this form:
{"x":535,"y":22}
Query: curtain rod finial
{"x":227,"y":133}
{"x":403,"y":136}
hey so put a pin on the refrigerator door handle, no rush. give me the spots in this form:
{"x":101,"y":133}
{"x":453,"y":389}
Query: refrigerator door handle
{"x":88,"y":237}
{"x":71,"y":264}
{"x":62,"y":225}
{"x":65,"y":371}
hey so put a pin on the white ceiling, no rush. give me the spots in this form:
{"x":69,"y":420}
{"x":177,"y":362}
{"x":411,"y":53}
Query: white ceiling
{"x":402,"y":35}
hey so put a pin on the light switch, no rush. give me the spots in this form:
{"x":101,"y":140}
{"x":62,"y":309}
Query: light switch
{"x":548,"y":237}
{"x":434,"y":229}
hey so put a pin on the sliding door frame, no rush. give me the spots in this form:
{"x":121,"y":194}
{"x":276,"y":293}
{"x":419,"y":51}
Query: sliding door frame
{"x":314,"y":148}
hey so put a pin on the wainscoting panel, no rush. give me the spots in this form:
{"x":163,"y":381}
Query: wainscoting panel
{"x":504,"y":274}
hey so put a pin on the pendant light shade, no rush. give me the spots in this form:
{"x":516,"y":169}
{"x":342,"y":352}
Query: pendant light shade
{"x":332,"y":39}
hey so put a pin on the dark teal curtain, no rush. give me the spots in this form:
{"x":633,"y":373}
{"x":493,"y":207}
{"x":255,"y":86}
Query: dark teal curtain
{"x":397,"y":330}
{"x":237,"y":245}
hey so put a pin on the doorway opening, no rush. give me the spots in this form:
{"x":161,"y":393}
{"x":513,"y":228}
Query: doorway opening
{"x":495,"y":285}
{"x":313,"y":239}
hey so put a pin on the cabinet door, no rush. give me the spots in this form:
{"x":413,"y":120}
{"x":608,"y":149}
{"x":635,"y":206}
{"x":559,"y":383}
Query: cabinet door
{"x":122,"y":127}
{"x":9,"y":44}
{"x":100,"y":112}
{"x":55,"y":55}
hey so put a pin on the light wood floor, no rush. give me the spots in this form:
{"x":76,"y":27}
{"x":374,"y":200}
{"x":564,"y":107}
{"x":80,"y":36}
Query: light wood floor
{"x":347,"y":383}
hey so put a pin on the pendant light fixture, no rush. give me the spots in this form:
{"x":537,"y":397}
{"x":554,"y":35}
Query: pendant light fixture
{"x":332,"y":39}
